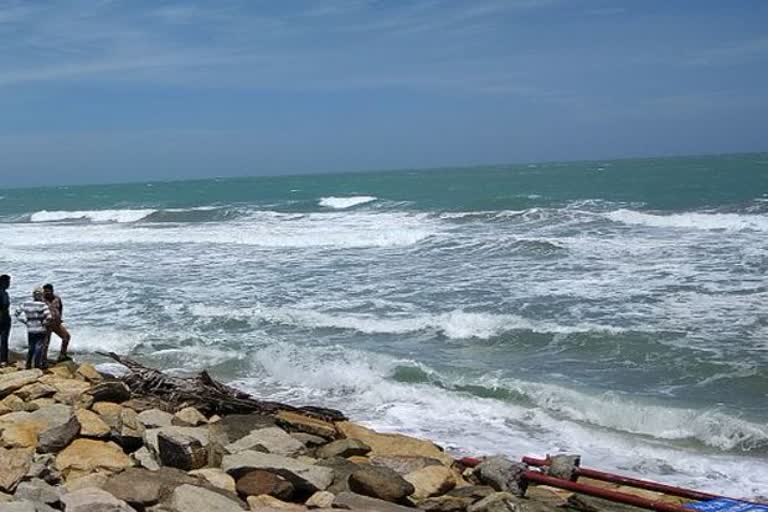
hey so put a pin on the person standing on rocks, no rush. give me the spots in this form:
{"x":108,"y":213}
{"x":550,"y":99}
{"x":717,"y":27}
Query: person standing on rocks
{"x":36,"y":315}
{"x":5,"y":318}
{"x":57,"y":323}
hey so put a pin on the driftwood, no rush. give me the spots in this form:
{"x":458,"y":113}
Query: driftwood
{"x":204,"y":393}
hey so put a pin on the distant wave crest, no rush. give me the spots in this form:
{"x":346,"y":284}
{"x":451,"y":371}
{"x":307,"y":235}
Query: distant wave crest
{"x":341,"y":203}
{"x":118,"y":216}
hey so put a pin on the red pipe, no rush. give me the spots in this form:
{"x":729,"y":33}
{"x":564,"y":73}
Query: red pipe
{"x":599,"y":492}
{"x":631,"y":482}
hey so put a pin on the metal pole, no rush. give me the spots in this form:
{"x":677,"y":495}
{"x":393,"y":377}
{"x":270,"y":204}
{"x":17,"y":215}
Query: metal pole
{"x":631,"y":482}
{"x":599,"y":492}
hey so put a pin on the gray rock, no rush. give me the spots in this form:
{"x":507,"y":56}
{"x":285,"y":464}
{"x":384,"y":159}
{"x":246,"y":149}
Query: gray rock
{"x":155,"y":418}
{"x":38,"y":491}
{"x":350,"y":500}
{"x":131,"y":432}
{"x":342,"y":468}
{"x":150,"y":435}
{"x":237,"y":426}
{"x":61,"y":427}
{"x":445,"y":504}
{"x":321,"y":499}
{"x":25,"y":506}
{"x":43,"y":467}
{"x":137,"y":487}
{"x":305,"y":477}
{"x":308,"y":440}
{"x":92,"y":499}
{"x":343,"y":448}
{"x":272,"y":440}
{"x":496,"y":502}
{"x":145,"y":459}
{"x":564,"y":466}
{"x":189,"y":497}
{"x":404,"y":464}
{"x":189,"y":417}
{"x":474,"y":492}
{"x":110,"y":391}
{"x":503,"y":474}
{"x":380,"y":482}
{"x":181,"y":451}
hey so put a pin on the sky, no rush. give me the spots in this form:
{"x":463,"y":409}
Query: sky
{"x":123,"y":90}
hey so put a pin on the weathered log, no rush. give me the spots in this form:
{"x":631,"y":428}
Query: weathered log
{"x":205,"y":393}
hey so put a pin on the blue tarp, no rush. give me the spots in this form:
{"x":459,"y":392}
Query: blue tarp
{"x":726,"y":505}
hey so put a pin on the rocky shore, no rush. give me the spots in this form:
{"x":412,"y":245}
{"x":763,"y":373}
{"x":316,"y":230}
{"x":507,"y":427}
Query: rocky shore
{"x":73,"y":439}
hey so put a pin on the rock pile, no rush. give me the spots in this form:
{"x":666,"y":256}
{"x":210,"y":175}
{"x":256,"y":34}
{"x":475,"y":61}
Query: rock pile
{"x":72,"y":439}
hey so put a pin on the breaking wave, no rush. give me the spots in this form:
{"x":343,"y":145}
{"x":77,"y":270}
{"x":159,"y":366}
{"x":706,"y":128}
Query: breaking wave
{"x":341,"y":203}
{"x":692,"y":220}
{"x":117,"y":216}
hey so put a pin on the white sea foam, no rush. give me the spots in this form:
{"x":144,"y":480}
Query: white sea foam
{"x":264,"y":229}
{"x":118,"y":216}
{"x":455,"y":324}
{"x":692,"y":220}
{"x":360,"y":383}
{"x":341,"y":203}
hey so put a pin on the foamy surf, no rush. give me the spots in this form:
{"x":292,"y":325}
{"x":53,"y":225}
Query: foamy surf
{"x":692,"y":220}
{"x":116,"y":216}
{"x":342,"y":203}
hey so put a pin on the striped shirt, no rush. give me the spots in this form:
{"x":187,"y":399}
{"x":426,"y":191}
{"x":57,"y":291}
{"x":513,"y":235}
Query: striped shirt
{"x":36,"y":314}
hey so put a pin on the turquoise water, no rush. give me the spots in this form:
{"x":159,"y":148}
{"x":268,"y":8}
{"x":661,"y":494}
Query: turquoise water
{"x":616,"y":309}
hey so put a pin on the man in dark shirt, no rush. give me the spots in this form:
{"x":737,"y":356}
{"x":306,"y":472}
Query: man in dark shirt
{"x":5,"y":318}
{"x":57,"y":323}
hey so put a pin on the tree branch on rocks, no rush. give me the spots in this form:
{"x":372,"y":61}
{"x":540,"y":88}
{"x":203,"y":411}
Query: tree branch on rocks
{"x":205,"y":393}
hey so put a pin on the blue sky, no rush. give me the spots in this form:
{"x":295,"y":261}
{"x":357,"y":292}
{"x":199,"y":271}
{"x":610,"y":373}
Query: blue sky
{"x":117,"y":90}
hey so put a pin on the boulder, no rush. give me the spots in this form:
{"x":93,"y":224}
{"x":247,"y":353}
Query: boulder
{"x":294,"y":422}
{"x":42,"y":468}
{"x":181,"y":451}
{"x":18,"y":434}
{"x":15,"y":463}
{"x":110,"y":414}
{"x":321,"y":499}
{"x":35,"y":390}
{"x":189,"y":417}
{"x":189,"y":497}
{"x":93,"y":480}
{"x":131,"y":433}
{"x":216,"y":477}
{"x":342,"y":468}
{"x":445,"y":504}
{"x":145,"y":404}
{"x":381,"y":483}
{"x":343,"y":448}
{"x":145,"y":459}
{"x":10,"y":382}
{"x":85,"y":456}
{"x":88,"y":372}
{"x":431,"y":481}
{"x":68,"y":391}
{"x":151,"y":435}
{"x":266,"y":503}
{"x":91,"y":424}
{"x":308,"y":440}
{"x":12,"y":403}
{"x":39,"y":403}
{"x":25,"y":506}
{"x":38,"y":491}
{"x":237,"y":426}
{"x":93,"y":500}
{"x":497,"y":502}
{"x":110,"y":391}
{"x":393,"y":444}
{"x":272,"y":440}
{"x":59,"y":426}
{"x":137,"y":487}
{"x":155,"y":418}
{"x":503,"y":474}
{"x":404,"y":464}
{"x":473,"y":492}
{"x":258,"y":482}
{"x":350,"y":500}
{"x":305,"y":477}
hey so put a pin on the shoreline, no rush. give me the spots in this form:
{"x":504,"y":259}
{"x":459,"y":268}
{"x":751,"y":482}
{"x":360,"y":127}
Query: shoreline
{"x":73,"y":438}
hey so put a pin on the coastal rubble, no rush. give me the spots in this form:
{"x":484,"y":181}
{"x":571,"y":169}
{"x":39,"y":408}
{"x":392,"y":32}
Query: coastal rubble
{"x":73,"y":439}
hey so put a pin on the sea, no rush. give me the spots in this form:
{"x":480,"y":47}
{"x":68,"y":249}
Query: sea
{"x":613,"y":309}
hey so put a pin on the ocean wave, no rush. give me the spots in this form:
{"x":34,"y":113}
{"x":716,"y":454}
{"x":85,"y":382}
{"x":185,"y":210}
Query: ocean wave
{"x":116,"y":216}
{"x":692,"y":220}
{"x":455,"y":324}
{"x":341,"y":203}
